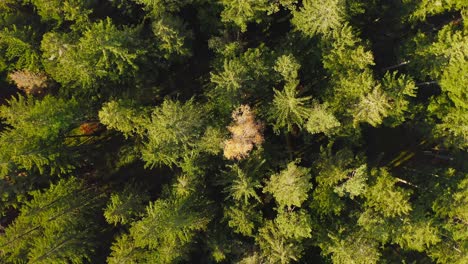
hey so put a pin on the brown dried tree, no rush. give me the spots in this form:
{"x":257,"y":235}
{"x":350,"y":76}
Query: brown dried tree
{"x":246,"y":133}
{"x":30,"y":82}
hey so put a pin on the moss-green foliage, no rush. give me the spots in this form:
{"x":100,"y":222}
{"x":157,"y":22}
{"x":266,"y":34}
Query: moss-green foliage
{"x":243,"y":12}
{"x":233,"y":131}
{"x":18,"y":49}
{"x":54,"y":226}
{"x":290,"y":187}
{"x":102,"y":52}
{"x":319,"y":17}
{"x":35,"y":138}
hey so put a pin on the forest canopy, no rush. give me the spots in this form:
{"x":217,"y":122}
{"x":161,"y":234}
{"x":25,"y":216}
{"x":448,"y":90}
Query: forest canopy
{"x":233,"y":131}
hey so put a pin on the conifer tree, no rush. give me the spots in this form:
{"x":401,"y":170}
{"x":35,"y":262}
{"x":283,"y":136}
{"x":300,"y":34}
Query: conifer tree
{"x":289,"y":110}
{"x":36,"y":137}
{"x":243,"y":12}
{"x":319,"y":17}
{"x":61,"y":11}
{"x":166,"y":231}
{"x":54,"y":226}
{"x":103,"y":52}
{"x":18,"y":49}
{"x":290,"y":187}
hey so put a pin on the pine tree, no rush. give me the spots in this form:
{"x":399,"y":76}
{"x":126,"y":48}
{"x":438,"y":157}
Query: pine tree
{"x":104,"y":52}
{"x":17,"y":48}
{"x":319,"y":17}
{"x":289,"y":110}
{"x":384,"y":196}
{"x":243,"y":12}
{"x":53,"y":227}
{"x":372,"y":108}
{"x":124,"y":117}
{"x":290,"y":187}
{"x":61,"y":11}
{"x":398,"y":89}
{"x":275,"y":247}
{"x":425,"y":8}
{"x":36,"y":137}
{"x":173,"y":133}
{"x":124,"y":206}
{"x":166,"y":231}
{"x":351,"y":248}
{"x":321,"y":120}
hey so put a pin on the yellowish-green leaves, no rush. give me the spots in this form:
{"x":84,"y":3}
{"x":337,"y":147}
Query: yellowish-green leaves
{"x":124,"y":206}
{"x":290,"y":187}
{"x":372,"y":108}
{"x":387,"y":198}
{"x":321,"y":120}
{"x":319,"y":16}
{"x":288,"y":67}
{"x":242,"y":219}
{"x":352,"y":248}
{"x":241,"y":12}
{"x":425,"y":8}
{"x":288,"y":108}
{"x":122,"y":116}
{"x":242,"y":186}
{"x":54,"y":226}
{"x":171,"y":32}
{"x":275,"y":247}
{"x":36,"y":135}
{"x":418,"y":235}
{"x":103,"y":52}
{"x":355,"y":185}
{"x":294,"y":224}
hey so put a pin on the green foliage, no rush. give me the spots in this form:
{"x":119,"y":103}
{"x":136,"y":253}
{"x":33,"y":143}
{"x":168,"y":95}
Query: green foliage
{"x":426,"y":8}
{"x":319,"y":17}
{"x":243,"y":219}
{"x":232,"y":77}
{"x":124,"y":206}
{"x":275,"y":247}
{"x":289,"y":110}
{"x":288,"y":67}
{"x":166,"y":231}
{"x":212,"y":141}
{"x":188,"y":171}
{"x":61,"y":11}
{"x":385,"y":196}
{"x":333,"y":173}
{"x":103,"y":52}
{"x":173,"y":132}
{"x":454,"y":128}
{"x":372,"y":108}
{"x":351,"y":248}
{"x":239,"y":78}
{"x":53,"y":226}
{"x":171,"y":32}
{"x":158,"y":7}
{"x":417,"y":236}
{"x":17,"y":48}
{"x":295,"y":224}
{"x":243,"y":12}
{"x":290,"y":187}
{"x":398,"y":89}
{"x":321,"y":120}
{"x":35,"y":138}
{"x":241,"y":186}
{"x":356,"y":184}
{"x":122,"y":116}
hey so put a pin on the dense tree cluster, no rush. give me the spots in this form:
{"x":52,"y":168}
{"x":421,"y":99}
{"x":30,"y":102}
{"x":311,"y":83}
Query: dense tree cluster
{"x":233,"y":131}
